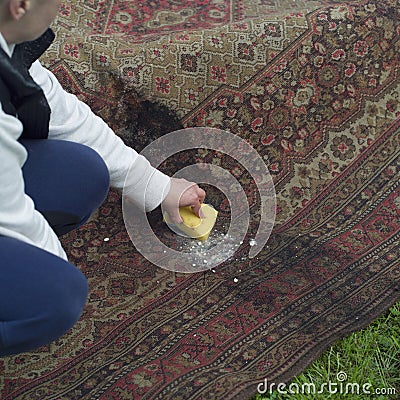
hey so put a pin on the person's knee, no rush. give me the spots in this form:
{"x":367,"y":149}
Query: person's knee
{"x":73,"y":173}
{"x":42,"y":296}
{"x":96,"y":169}
{"x":67,"y":181}
{"x":64,"y":304}
{"x":69,"y":299}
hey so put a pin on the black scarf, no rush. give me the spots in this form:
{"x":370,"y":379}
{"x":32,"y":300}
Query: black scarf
{"x":20,"y":95}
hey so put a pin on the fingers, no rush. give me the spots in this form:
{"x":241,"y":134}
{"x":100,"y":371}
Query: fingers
{"x":175,"y":216}
{"x":182,"y":194}
{"x":197,"y":208}
{"x":195,"y":198}
{"x":202,"y":194}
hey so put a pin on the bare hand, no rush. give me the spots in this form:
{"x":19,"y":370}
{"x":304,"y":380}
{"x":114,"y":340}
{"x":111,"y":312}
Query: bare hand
{"x":183,"y":193}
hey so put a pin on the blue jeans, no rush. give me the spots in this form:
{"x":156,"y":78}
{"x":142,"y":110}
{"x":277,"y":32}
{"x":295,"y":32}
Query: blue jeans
{"x":42,"y":295}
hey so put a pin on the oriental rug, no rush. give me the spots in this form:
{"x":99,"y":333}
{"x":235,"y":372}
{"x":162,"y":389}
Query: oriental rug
{"x":314,"y":87}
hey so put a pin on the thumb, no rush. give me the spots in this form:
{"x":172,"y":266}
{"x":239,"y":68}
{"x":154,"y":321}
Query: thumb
{"x":197,"y":210}
{"x":174,"y":216}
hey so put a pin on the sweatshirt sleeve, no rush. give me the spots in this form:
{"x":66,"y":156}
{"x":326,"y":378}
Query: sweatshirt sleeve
{"x":73,"y":120}
{"x":18,"y":217}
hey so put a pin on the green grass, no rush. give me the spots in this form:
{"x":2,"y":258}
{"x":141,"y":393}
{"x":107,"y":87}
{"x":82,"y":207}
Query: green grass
{"x":370,"y":356}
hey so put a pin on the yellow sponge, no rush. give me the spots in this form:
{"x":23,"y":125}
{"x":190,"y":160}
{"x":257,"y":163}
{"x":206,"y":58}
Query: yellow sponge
{"x":192,"y":225}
